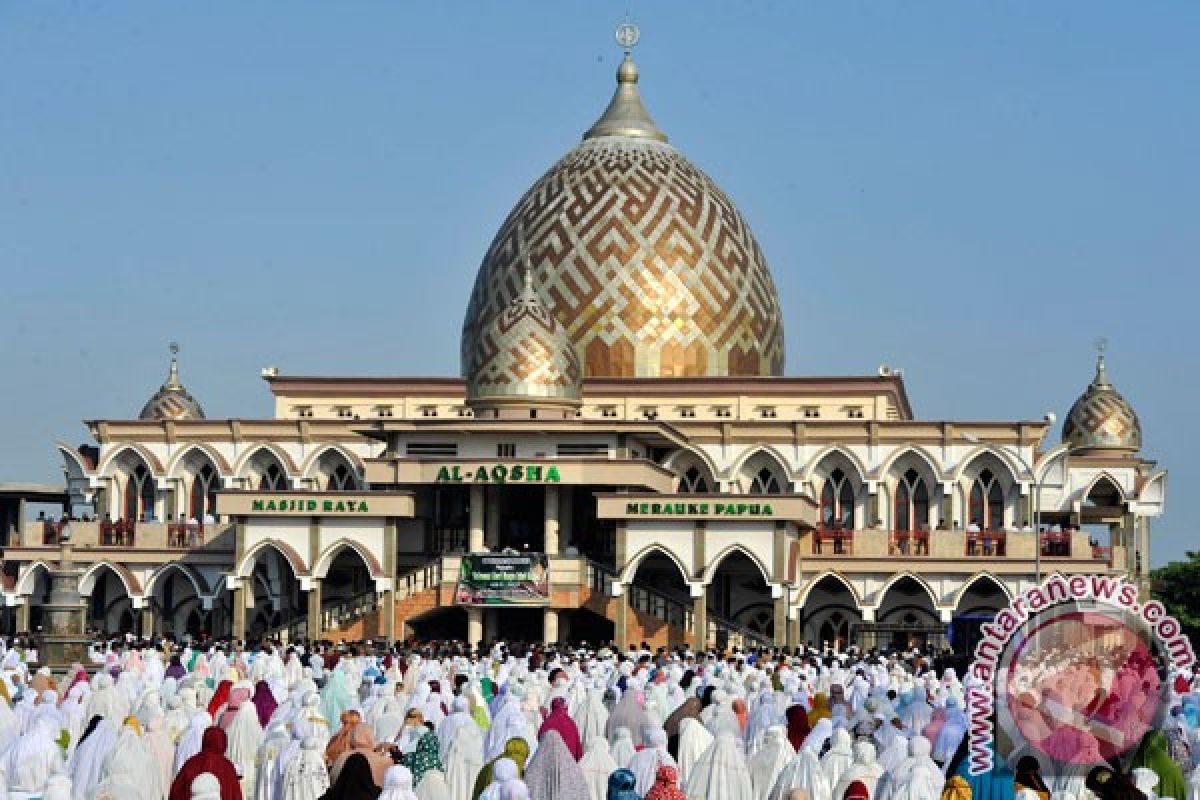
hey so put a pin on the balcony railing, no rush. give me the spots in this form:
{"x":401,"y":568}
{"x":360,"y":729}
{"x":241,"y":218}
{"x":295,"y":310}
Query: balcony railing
{"x":1056,"y":544}
{"x":185,"y":534}
{"x":987,"y":544}
{"x":909,"y":543}
{"x":1102,"y":553}
{"x":117,"y":534}
{"x":834,"y":541}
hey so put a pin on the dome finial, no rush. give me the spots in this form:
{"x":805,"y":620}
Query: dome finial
{"x":626,"y":115}
{"x":1101,"y":378}
{"x":173,"y":381}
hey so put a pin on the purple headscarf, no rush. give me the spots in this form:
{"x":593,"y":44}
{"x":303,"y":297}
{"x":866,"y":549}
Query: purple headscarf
{"x":264,"y":703}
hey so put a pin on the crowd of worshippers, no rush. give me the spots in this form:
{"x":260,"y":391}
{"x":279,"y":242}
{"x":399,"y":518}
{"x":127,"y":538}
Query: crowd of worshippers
{"x":445,"y":721}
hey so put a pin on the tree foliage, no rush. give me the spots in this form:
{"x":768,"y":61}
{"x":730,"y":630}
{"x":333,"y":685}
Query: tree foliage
{"x":1177,"y":586}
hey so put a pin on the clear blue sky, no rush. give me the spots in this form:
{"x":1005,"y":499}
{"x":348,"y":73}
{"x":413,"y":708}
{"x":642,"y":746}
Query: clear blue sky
{"x":971,"y":191}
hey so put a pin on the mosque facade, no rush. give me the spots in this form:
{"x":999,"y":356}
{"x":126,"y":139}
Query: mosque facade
{"x":623,"y":458}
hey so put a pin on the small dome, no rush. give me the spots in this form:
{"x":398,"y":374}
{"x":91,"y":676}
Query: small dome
{"x":523,"y":357}
{"x":1102,"y":419}
{"x":172,"y":400}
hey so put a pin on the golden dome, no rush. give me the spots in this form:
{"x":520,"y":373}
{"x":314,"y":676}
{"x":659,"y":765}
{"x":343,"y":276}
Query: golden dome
{"x":172,"y":400}
{"x":1102,"y":419}
{"x":646,"y":263}
{"x":523,"y":357}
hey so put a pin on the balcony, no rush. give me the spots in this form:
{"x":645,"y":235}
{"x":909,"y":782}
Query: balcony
{"x":834,"y":541}
{"x":121,"y":535}
{"x":986,"y":544}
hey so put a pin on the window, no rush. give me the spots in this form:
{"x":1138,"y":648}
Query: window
{"x":428,"y":411}
{"x":854,"y":412}
{"x":384,"y":411}
{"x":723,"y":412}
{"x":687,"y":412}
{"x":837,"y":501}
{"x":431,"y":449}
{"x":273,"y":479}
{"x":506,"y":450}
{"x":765,"y":482}
{"x":581,"y":449}
{"x":812,"y":412}
{"x":649,"y":412}
{"x":139,"y":494}
{"x":987,"y":502}
{"x":693,"y":482}
{"x":912,"y":503}
{"x":767,"y":412}
{"x":463,"y":411}
{"x":204,"y":493}
{"x":608,"y":411}
{"x":303,"y":411}
{"x":341,"y":480}
{"x":345,"y":412}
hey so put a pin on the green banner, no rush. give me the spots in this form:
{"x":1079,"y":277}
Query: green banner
{"x":497,"y":579}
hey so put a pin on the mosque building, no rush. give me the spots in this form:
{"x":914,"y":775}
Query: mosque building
{"x":623,"y":458}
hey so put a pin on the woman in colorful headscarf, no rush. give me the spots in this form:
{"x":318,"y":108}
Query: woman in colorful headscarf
{"x":220,"y":698}
{"x":264,"y":702}
{"x":424,"y":757}
{"x":1154,"y":753}
{"x":339,"y":743}
{"x":362,"y":742}
{"x":620,"y":786}
{"x":515,"y":750}
{"x":666,"y":785}
{"x":559,"y":721}
{"x":797,"y":725}
{"x":820,"y":709}
{"x":554,"y":773}
{"x":211,"y":759}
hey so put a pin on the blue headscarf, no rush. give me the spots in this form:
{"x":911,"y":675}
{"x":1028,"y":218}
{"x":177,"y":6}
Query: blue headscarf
{"x":621,"y":786}
{"x":994,"y":785}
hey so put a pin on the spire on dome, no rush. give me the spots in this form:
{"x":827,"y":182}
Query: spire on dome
{"x":173,"y":381}
{"x":626,"y":115}
{"x":172,"y":400}
{"x":1101,"y":379}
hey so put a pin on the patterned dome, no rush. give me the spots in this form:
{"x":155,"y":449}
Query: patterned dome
{"x":641,"y":257}
{"x":172,"y":400}
{"x":523,"y":356}
{"x":1102,"y":419}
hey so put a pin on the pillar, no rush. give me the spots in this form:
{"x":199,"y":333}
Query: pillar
{"x":699,"y":617}
{"x":474,"y":626}
{"x":795,"y":633}
{"x":566,"y":510}
{"x":389,"y":567}
{"x":314,"y":610}
{"x":550,"y":625}
{"x":492,"y":532}
{"x":781,"y":620}
{"x":23,"y":616}
{"x":239,"y":613}
{"x":621,"y":623}
{"x":475,"y":532}
{"x":147,"y":621}
{"x":550,"y":526}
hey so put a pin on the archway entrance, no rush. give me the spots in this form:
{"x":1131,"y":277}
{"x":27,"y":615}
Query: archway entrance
{"x":347,"y":591}
{"x":739,"y":594}
{"x":660,"y":599}
{"x":176,"y":605}
{"x":274,"y":595}
{"x":110,"y":609}
{"x":978,"y":605}
{"x":831,"y":615}
{"x":906,"y":618}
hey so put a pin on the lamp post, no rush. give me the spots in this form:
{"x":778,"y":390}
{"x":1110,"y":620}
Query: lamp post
{"x":1049,"y":417}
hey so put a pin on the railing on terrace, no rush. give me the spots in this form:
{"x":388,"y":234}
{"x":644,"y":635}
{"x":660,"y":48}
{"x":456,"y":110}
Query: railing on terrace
{"x":1102,"y":553}
{"x":348,"y":610}
{"x":728,"y":633}
{"x":1056,"y":544}
{"x":985,"y":543}
{"x":833,"y":541}
{"x":185,"y":534}
{"x":427,"y":576}
{"x":909,"y":543}
{"x":117,"y":534}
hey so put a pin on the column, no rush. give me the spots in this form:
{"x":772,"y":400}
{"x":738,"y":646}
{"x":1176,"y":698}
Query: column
{"x":475,"y":533}
{"x":550,"y":524}
{"x":314,"y":610}
{"x":795,"y":634}
{"x":566,"y":502}
{"x":550,"y":625}
{"x":699,"y":617}
{"x":239,"y":613}
{"x":389,"y":567}
{"x":474,"y":626}
{"x":492,"y":532}
{"x":781,"y":620}
{"x":621,"y":623}
{"x":23,"y":616}
{"x":147,"y":621}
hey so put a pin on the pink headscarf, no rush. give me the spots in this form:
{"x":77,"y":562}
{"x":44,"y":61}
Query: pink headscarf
{"x":559,"y":720}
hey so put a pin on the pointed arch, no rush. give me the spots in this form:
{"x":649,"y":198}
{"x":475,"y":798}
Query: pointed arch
{"x":1154,"y":490}
{"x":882,"y":592}
{"x":326,"y":559}
{"x":1104,"y":475}
{"x":837,"y":576}
{"x":28,"y":581}
{"x":920,"y":452}
{"x":285,"y":461}
{"x":810,"y":469}
{"x":711,"y":570}
{"x":311,"y":463}
{"x":193,"y":577}
{"x":1043,"y":462}
{"x":678,"y":458}
{"x":74,"y":461}
{"x":87,"y":581}
{"x":218,"y":460}
{"x":983,"y":450}
{"x":246,"y":566}
{"x":145,"y":456}
{"x":980,"y":577}
{"x":766,"y":450}
{"x":631,"y":568}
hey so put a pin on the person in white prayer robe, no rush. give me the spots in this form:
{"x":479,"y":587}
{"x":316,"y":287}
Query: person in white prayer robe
{"x":775,"y":753}
{"x":463,"y":761}
{"x":803,"y":773}
{"x":918,"y":778}
{"x":621,"y":748}
{"x":10,"y":725}
{"x":645,"y":763}
{"x":433,"y":786}
{"x":106,"y":700}
{"x":29,"y":761}
{"x":694,"y":740}
{"x":839,"y":756}
{"x":58,"y":787}
{"x":190,"y":741}
{"x":245,"y":736}
{"x":865,"y":768}
{"x":87,"y":761}
{"x":306,"y":777}
{"x":593,"y":716}
{"x":597,"y":764}
{"x":721,"y":773}
{"x":125,"y":775}
{"x":266,"y":762}
{"x":460,"y":714}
